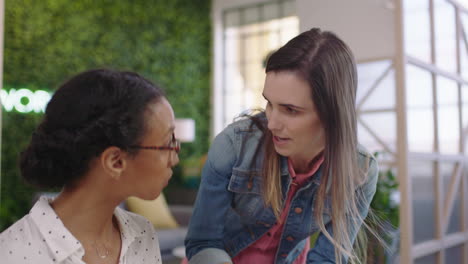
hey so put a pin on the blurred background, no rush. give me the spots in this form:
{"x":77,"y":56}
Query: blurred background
{"x":209,"y":56}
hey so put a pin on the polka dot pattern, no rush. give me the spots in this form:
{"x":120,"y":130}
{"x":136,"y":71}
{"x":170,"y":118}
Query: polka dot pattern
{"x":40,"y":237}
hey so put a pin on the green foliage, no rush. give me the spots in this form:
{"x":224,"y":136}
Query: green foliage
{"x":16,"y":196}
{"x":386,"y":220}
{"x":48,"y":41}
{"x":382,"y":203}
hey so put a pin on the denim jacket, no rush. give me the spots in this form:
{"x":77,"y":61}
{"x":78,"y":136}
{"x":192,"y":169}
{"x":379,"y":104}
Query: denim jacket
{"x":229,"y":212}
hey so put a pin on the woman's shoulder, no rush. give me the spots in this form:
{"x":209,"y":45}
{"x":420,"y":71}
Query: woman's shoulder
{"x":365,"y":158}
{"x":21,"y":229}
{"x":16,"y":238}
{"x":133,"y":220}
{"x":247,"y":123}
{"x":247,"y":130}
{"x":368,"y":165}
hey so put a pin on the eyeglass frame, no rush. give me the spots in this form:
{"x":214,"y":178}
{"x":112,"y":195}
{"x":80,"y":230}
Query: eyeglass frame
{"x":174,"y":145}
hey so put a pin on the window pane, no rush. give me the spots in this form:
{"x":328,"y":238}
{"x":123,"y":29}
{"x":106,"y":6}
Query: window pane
{"x":384,"y":94}
{"x":454,"y":255}
{"x":447,"y":170}
{"x":419,"y":110}
{"x":384,"y":126}
{"x":367,"y":140}
{"x":289,"y":29}
{"x":270,"y":11}
{"x":422,"y":175}
{"x":245,"y":48}
{"x":464,"y":47}
{"x":232,"y":45}
{"x":252,"y":45}
{"x":444,"y":19}
{"x":251,"y":15}
{"x":289,"y":8}
{"x":464,"y":92}
{"x":417,"y":34}
{"x":431,"y":259}
{"x":448,"y":116}
{"x":231,"y":19}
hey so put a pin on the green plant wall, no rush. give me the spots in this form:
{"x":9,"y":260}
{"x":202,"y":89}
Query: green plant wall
{"x":48,"y":41}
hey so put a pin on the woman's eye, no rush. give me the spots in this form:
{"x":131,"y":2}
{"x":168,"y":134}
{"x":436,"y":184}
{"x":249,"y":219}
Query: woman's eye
{"x":290,"y":110}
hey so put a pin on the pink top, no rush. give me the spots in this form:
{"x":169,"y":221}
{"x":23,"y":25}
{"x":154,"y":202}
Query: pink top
{"x":264,"y":249}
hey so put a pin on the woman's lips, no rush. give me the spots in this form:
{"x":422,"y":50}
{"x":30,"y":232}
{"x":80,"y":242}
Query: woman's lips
{"x":280,"y":141}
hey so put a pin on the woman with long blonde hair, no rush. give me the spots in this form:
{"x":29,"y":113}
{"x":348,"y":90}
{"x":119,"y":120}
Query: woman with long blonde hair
{"x":276,"y":178}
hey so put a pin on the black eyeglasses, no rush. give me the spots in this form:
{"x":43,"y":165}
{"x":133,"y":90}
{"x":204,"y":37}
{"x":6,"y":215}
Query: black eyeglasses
{"x":174,"y":145}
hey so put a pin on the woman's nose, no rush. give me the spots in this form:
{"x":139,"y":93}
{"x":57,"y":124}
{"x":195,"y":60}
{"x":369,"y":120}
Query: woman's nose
{"x":174,"y":159}
{"x":274,"y":123}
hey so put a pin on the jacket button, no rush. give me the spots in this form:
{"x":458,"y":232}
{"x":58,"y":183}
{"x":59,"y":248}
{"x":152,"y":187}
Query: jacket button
{"x":249,"y":185}
{"x":298,"y":210}
{"x":284,"y":255}
{"x":290,"y":238}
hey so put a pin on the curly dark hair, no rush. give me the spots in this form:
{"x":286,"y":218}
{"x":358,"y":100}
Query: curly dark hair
{"x":90,"y":112}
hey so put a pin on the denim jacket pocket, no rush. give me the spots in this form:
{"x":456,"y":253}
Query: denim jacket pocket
{"x":245,"y":182}
{"x":247,"y":198}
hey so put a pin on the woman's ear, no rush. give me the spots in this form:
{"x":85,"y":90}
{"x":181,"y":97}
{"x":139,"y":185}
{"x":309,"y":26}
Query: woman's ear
{"x":113,"y":161}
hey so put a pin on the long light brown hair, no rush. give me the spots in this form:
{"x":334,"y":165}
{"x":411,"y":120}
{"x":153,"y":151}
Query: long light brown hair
{"x":328,"y":65}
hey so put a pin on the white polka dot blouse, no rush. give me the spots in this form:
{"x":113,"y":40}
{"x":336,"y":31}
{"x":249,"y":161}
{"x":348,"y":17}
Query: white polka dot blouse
{"x":40,"y":237}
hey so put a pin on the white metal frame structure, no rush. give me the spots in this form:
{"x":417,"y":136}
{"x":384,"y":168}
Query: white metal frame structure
{"x":434,"y":248}
{"x":422,"y":126}
{"x":433,"y":175}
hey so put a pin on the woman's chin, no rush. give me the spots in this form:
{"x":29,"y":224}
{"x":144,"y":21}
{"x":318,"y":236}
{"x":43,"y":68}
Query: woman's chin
{"x":282,"y":152}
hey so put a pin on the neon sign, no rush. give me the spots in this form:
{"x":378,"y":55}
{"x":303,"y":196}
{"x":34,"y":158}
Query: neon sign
{"x":24,"y":100}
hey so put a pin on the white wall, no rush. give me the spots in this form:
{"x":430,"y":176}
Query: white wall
{"x":367,"y":26}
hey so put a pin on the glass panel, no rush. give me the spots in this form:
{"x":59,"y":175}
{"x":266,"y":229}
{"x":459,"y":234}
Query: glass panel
{"x":270,"y":11}
{"x":367,"y":140}
{"x":232,"y":46}
{"x":273,"y":41}
{"x":420,"y":111}
{"x":454,"y":255}
{"x":445,"y":37}
{"x":454,"y":220}
{"x":463,"y":46}
{"x":289,"y":29}
{"x":234,"y":105}
{"x":446,"y":171}
{"x":384,"y":95}
{"x":289,"y":8}
{"x":255,"y":77}
{"x":464,"y":92}
{"x":431,"y":259}
{"x":422,"y":176}
{"x":252,"y":46}
{"x":367,"y":73}
{"x":384,"y":126}
{"x":247,"y":42}
{"x":251,"y":15}
{"x":231,"y":19}
{"x":234,"y":88}
{"x":448,"y":116}
{"x":463,"y":3}
{"x":416,"y":28}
